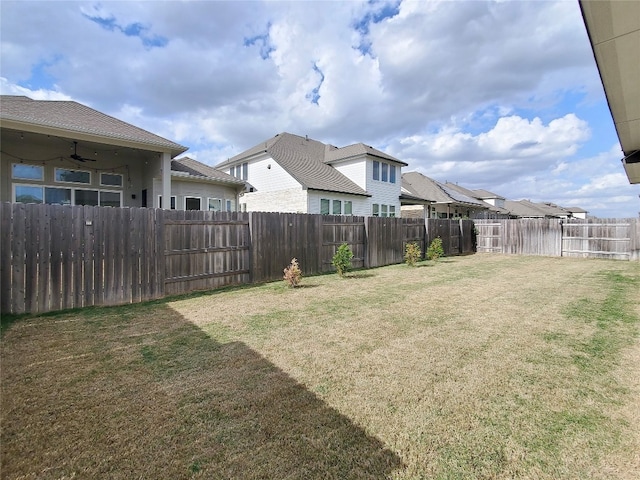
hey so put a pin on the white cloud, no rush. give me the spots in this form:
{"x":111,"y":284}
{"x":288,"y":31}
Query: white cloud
{"x":486,"y":92}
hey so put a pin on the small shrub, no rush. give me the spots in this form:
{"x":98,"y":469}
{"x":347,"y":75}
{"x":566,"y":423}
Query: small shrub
{"x":342,"y":259}
{"x":412,"y":254}
{"x":435,"y":250}
{"x":293,"y":274}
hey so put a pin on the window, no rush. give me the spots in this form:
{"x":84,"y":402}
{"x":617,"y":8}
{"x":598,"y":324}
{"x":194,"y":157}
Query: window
{"x":385,"y":172}
{"x":192,"y":203}
{"x":245,"y":171}
{"x":110,"y":199}
{"x":57,"y":196}
{"x":173,"y":202}
{"x":324,"y":206}
{"x":337,"y":207}
{"x":383,"y":212}
{"x":392,"y":210}
{"x":215,"y":205}
{"x":72,"y":176}
{"x":28,"y":172}
{"x":86,"y":197}
{"x":348,"y":207}
{"x":111,"y":179}
{"x":28,"y":194}
{"x":376,"y":210}
{"x":392,"y":173}
{"x":232,"y":171}
{"x":376,"y":170}
{"x":231,"y":205}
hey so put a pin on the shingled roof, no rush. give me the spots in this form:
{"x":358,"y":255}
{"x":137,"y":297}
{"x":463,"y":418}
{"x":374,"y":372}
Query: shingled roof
{"x":199,"y":170}
{"x":74,"y":117}
{"x":304,"y":159}
{"x":428,"y":189}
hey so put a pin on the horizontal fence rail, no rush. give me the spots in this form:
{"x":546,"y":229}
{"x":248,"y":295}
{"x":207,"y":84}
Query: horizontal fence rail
{"x":55,"y":257}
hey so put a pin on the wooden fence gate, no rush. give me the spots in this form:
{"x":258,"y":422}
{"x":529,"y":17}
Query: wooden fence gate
{"x":202,"y":252}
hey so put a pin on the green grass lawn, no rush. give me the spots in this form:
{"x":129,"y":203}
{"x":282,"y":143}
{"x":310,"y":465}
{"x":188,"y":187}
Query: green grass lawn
{"x":481,"y":366}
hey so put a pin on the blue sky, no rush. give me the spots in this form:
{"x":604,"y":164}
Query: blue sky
{"x":503,"y":96}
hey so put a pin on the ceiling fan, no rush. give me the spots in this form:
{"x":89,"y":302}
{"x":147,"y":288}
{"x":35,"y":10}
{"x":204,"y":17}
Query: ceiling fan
{"x":77,"y":157}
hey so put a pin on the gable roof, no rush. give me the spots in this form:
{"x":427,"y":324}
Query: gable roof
{"x":335,"y":154}
{"x":73,"y":117}
{"x":303,"y":159}
{"x":199,"y":170}
{"x":486,"y":195}
{"x":426,"y":188}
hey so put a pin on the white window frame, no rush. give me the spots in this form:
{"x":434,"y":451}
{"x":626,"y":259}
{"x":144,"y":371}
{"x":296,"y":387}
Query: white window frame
{"x":376,"y":163}
{"x":375,"y":210}
{"x":328,"y":203}
{"x":350,"y":203}
{"x":115,"y":175}
{"x":383,"y":210}
{"x":334,"y":204}
{"x":31,"y":185}
{"x":219,"y":204}
{"x":40,"y":167}
{"x":118,"y":192}
{"x":55,"y":176}
{"x":174,"y":202}
{"x":187,"y":197}
{"x":392,"y":211}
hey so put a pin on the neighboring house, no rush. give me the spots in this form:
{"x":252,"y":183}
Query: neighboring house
{"x":577,"y":212}
{"x":294,"y":174}
{"x":495,"y":202}
{"x":63,"y":152}
{"x":444,"y":201}
{"x":196,"y":186}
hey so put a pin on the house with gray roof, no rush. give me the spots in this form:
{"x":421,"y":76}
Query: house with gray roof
{"x":294,"y":174}
{"x":444,"y":201}
{"x":63,"y":152}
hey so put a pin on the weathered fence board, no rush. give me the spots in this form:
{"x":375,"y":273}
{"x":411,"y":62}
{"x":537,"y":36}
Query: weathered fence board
{"x":55,"y":257}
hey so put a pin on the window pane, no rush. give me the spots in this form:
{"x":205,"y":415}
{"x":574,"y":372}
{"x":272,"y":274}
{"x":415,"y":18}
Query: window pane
{"x":75,"y":176}
{"x":245,"y":171}
{"x":173,"y":203}
{"x":385,"y":172}
{"x":215,"y":204}
{"x":348,"y":207}
{"x":375,"y":210}
{"x":324,"y":206}
{"x":392,"y":173}
{"x":384,"y":211}
{"x":337,"y":207}
{"x":110,"y":199}
{"x":86,"y":197}
{"x":111,"y":179}
{"x":392,"y":210}
{"x":28,"y":172}
{"x":28,"y":194}
{"x":191,"y":203}
{"x":231,"y":205}
{"x":57,"y":196}
{"x":376,"y":170}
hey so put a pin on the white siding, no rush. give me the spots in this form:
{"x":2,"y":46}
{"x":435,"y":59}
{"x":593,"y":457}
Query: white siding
{"x":204,"y":191}
{"x":265,"y":175}
{"x":293,"y":200}
{"x":360,"y":204}
{"x":355,"y":170}
{"x":384,"y":193}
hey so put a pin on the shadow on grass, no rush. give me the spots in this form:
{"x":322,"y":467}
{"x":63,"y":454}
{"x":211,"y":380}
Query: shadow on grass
{"x":143,"y":393}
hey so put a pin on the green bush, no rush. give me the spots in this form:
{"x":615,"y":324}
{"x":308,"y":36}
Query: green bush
{"x":342,"y":259}
{"x":412,"y":254}
{"x":293,"y":274}
{"x":435,"y":250}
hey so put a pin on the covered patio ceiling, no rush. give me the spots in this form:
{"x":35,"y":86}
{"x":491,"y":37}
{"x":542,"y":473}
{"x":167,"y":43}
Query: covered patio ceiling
{"x":613,"y":27}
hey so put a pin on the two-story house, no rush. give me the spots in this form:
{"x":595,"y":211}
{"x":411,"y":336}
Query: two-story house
{"x":294,"y":174}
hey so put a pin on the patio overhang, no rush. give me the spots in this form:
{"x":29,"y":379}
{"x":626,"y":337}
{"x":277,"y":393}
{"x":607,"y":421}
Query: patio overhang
{"x":614,"y":32}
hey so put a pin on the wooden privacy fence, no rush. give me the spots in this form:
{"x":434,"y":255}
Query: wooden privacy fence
{"x":56,"y":257}
{"x":617,"y":239}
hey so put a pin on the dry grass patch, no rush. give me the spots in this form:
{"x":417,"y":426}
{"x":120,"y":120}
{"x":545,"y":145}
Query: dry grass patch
{"x":472,"y":367}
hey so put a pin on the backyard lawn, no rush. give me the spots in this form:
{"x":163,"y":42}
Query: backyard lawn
{"x":481,"y":366}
